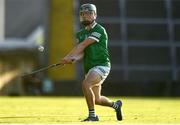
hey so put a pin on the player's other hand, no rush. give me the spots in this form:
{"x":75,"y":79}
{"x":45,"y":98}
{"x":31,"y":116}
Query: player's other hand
{"x":67,"y":60}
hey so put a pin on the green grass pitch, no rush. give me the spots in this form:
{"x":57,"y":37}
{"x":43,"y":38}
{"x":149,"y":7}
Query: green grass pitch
{"x":71,"y":110}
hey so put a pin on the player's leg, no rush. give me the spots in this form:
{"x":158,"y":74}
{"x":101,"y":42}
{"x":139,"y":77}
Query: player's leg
{"x":92,"y":90}
{"x":99,"y":99}
{"x":91,"y":79}
{"x":104,"y":101}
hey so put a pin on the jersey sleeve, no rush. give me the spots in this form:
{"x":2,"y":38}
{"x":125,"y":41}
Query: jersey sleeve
{"x":96,"y":35}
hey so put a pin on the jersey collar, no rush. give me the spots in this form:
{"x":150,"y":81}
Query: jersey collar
{"x":93,"y":25}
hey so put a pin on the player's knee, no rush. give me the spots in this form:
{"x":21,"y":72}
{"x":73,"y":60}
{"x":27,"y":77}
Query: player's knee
{"x":98,"y":101}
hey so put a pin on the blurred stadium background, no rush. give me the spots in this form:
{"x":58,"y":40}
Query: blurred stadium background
{"x":144,"y":45}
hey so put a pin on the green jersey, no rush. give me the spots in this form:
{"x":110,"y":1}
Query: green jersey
{"x":95,"y":54}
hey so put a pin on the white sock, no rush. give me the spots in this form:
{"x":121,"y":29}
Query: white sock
{"x":92,"y":113}
{"x":115,"y":106}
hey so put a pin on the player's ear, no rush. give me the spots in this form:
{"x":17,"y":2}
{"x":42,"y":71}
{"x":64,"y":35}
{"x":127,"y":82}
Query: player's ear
{"x":95,"y":15}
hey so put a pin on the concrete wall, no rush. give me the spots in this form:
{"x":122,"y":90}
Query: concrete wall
{"x":2,"y":11}
{"x":23,"y":16}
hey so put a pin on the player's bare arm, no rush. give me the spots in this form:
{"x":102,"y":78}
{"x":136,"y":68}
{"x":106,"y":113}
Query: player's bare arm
{"x":77,"y":52}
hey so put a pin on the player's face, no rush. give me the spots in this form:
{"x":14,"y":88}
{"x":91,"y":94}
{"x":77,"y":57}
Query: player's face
{"x":87,"y":17}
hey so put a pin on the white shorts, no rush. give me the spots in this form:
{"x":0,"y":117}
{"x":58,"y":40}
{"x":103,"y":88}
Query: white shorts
{"x":103,"y":71}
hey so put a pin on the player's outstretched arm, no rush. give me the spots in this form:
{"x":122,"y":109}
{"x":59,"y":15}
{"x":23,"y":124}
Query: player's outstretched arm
{"x":77,"y":52}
